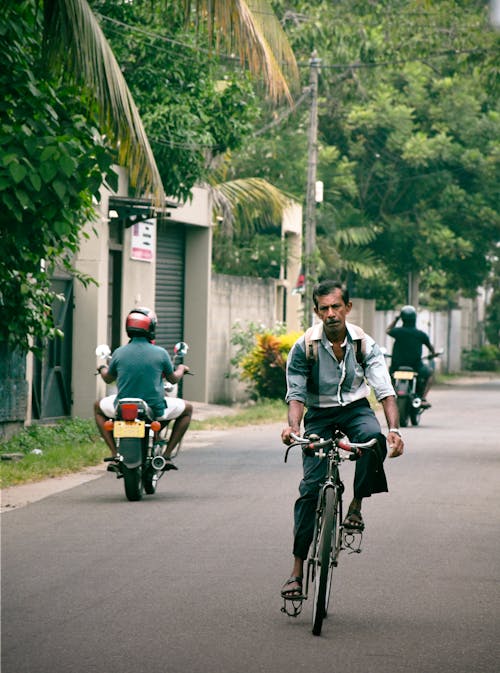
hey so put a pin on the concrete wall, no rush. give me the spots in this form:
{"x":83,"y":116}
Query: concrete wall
{"x":90,"y":314}
{"x":291,"y":232}
{"x":234,"y":299}
{"x":363,"y":314}
{"x":197,"y":310}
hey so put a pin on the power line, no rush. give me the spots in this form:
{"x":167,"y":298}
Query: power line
{"x":354,"y":65}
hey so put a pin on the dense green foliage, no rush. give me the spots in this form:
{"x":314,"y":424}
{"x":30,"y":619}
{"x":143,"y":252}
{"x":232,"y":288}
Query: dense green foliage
{"x":51,"y":166}
{"x":486,"y":358}
{"x":492,"y":317}
{"x":409,"y":128}
{"x":193,"y":109}
{"x":64,"y":95}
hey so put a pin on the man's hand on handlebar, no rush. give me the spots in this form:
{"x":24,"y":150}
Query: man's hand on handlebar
{"x":396,"y":444}
{"x":286,"y":435}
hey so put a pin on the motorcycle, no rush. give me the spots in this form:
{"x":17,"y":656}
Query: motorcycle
{"x":139,"y":438}
{"x":405,"y":381}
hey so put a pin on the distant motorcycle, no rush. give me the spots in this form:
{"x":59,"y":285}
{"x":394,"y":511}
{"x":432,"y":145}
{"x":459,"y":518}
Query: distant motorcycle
{"x":405,"y":381}
{"x":139,"y":439}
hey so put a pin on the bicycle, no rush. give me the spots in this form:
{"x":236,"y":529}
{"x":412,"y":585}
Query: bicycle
{"x":330,"y":534}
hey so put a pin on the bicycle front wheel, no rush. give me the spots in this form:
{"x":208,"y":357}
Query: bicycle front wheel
{"x":323,"y":570}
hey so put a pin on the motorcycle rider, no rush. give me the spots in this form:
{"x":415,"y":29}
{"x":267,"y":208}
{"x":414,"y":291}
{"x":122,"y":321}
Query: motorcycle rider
{"x":139,"y":367}
{"x":407,"y":351}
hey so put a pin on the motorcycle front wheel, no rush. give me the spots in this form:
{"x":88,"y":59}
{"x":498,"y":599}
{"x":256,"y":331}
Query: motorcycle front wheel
{"x":132,"y":479}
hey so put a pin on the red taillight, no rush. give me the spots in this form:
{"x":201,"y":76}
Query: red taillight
{"x":129,"y":412}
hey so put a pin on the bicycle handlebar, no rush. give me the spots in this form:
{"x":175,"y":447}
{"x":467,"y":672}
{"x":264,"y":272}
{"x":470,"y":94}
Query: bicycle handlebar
{"x":309,"y":444}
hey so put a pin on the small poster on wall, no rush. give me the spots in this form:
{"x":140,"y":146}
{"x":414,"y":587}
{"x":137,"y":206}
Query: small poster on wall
{"x":143,"y":241}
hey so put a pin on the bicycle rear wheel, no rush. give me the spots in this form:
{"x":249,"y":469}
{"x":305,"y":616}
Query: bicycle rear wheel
{"x":323,"y":570}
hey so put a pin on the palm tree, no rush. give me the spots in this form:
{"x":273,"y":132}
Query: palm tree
{"x":74,"y":43}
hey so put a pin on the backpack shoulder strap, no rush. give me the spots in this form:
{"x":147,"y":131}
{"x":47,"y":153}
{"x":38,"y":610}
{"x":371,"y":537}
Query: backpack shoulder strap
{"x":359,"y":339}
{"x":312,"y":337}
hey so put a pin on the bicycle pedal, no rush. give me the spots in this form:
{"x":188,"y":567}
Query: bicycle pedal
{"x":351,"y":541}
{"x":292,"y":607}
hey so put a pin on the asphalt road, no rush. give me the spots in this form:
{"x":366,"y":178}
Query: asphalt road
{"x":188,"y":581}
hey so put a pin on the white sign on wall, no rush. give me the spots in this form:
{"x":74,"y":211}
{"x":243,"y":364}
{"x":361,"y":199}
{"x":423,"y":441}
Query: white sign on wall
{"x":143,"y":241}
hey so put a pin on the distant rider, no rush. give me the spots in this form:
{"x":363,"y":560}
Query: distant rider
{"x":139,"y":368}
{"x":407,"y":351}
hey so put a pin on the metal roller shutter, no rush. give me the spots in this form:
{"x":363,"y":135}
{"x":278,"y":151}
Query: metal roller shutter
{"x":169,"y":299}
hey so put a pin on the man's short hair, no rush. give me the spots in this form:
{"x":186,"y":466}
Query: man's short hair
{"x":327,"y":287}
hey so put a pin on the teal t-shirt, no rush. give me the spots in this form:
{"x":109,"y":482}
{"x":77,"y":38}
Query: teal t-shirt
{"x":138,"y":368}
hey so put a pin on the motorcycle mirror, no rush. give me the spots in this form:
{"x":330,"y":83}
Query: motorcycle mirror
{"x":181,"y":348}
{"x":103,"y":351}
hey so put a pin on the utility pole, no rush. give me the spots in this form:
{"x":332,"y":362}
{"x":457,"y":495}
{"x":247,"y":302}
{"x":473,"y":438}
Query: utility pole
{"x":310,"y":219}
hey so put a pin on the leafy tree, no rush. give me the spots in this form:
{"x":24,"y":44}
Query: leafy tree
{"x":408,"y":142}
{"x":193,"y":109}
{"x":65,"y":103}
{"x":51,"y":166}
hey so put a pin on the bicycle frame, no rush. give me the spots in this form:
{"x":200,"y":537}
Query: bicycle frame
{"x":330,"y":537}
{"x":332,"y":481}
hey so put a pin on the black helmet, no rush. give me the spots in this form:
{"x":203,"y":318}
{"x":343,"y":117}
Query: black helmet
{"x":141,"y":322}
{"x":409,"y":316}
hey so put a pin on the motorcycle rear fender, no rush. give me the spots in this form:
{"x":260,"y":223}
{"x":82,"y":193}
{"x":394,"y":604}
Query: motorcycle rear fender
{"x":401,"y":387}
{"x":130,"y":450}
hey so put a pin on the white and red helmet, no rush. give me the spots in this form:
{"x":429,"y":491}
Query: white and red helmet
{"x":141,"y":322}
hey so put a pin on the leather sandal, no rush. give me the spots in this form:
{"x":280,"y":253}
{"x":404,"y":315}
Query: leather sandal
{"x":294,"y":594}
{"x":354,"y":520}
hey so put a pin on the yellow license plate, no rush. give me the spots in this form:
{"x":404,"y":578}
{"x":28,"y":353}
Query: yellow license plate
{"x":129,"y":429}
{"x":404,"y":375}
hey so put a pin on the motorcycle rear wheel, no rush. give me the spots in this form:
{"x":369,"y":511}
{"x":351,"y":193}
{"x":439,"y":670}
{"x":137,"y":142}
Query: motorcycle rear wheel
{"x":403,"y":411}
{"x":415,"y":416}
{"x":150,"y":480}
{"x":132,"y":479}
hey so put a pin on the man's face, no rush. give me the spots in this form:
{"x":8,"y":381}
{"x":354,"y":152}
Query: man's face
{"x":332,"y":310}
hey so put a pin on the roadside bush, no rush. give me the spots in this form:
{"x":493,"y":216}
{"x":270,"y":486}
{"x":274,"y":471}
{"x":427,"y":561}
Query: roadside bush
{"x":486,"y":358}
{"x":261,"y":358}
{"x":74,"y":431}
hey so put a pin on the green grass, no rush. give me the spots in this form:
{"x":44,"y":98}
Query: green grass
{"x":72,"y":445}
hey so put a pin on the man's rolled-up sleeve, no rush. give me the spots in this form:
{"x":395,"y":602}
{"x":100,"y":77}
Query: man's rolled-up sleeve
{"x":296,"y":373}
{"x":377,"y":373}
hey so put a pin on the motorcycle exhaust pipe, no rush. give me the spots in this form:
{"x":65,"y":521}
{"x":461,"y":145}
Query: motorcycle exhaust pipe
{"x":417,"y":403}
{"x":158,"y":462}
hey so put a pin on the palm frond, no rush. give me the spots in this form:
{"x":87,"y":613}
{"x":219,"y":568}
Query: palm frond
{"x":347,"y":258}
{"x":253,"y":30}
{"x":353,"y":236}
{"x":241,"y":202}
{"x":74,"y":41}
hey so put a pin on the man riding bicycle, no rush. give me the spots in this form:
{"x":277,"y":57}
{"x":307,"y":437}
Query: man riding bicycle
{"x":327,"y":372}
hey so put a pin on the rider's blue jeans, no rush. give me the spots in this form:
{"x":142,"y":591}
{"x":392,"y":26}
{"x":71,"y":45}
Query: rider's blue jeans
{"x":359,"y":423}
